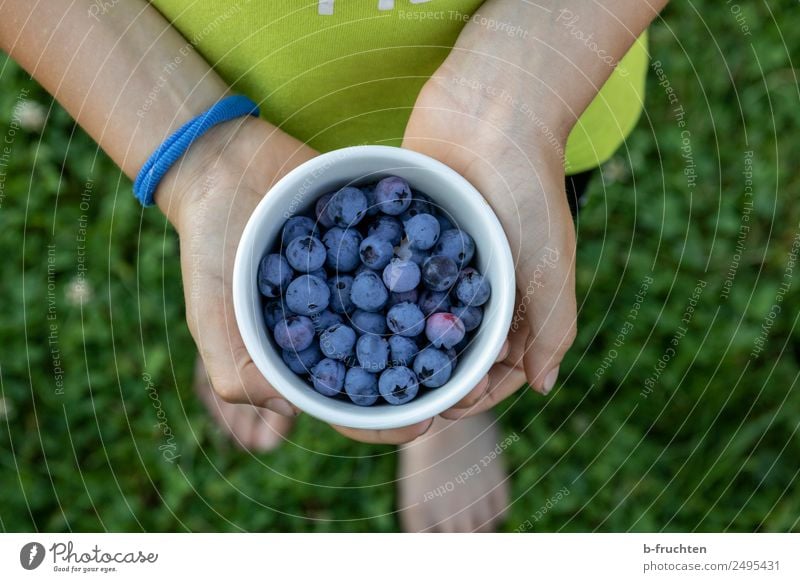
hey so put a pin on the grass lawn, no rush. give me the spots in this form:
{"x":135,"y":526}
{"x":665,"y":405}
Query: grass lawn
{"x":676,"y":410}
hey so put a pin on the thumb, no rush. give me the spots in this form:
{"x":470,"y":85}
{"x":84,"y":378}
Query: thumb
{"x":547,"y":288}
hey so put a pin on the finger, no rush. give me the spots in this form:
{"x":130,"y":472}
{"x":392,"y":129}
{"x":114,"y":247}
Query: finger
{"x":474,"y":395}
{"x":393,"y":436}
{"x":549,"y":282}
{"x":504,"y":380}
{"x":503,"y":352}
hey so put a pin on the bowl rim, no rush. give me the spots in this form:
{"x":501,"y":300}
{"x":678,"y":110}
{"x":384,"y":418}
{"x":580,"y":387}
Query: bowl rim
{"x":294,"y":388}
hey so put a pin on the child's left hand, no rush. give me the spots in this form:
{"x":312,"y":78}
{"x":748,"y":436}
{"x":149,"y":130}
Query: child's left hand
{"x":484,"y":130}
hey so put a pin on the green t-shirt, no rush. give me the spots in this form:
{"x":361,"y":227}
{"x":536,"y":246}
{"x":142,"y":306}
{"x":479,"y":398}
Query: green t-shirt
{"x":335,"y":73}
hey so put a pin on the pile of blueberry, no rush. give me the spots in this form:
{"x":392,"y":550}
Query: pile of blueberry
{"x":374,"y":296}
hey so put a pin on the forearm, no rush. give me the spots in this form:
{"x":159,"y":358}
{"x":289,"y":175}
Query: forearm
{"x":558,"y":53}
{"x":127,"y":76}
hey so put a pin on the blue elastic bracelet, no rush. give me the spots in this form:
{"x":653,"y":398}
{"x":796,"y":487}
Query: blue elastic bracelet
{"x":176,"y":145}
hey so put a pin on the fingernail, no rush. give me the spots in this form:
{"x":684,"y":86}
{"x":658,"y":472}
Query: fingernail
{"x":280,"y":406}
{"x":550,"y":380}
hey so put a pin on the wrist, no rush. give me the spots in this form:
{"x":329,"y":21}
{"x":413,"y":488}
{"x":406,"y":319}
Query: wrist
{"x":217,"y":151}
{"x":514,"y":101}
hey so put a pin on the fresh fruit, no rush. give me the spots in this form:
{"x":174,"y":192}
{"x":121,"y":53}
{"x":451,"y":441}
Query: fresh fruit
{"x":406,"y":319}
{"x":398,"y":385}
{"x":347,"y":207}
{"x":368,"y":291}
{"x":295,"y":332}
{"x":337,"y":341}
{"x":433,"y":301}
{"x":433,"y":367}
{"x":306,"y":254}
{"x":342,"y":249}
{"x":400,"y":276}
{"x":372,"y":352}
{"x":301,"y":362}
{"x":422,"y":231}
{"x":402,"y":350}
{"x":274,"y":275}
{"x":444,"y":330}
{"x":439,"y":273}
{"x":457,"y":245}
{"x":472,"y":288}
{"x":470,"y":316}
{"x":307,"y":295}
{"x":376,"y":252}
{"x":328,"y":377}
{"x":341,"y":287}
{"x":368,"y":322}
{"x":295,"y":227}
{"x":393,"y":195}
{"x":372,"y":298}
{"x":361,"y":386}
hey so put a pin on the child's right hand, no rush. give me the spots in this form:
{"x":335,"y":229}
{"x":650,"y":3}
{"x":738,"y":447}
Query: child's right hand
{"x":208,"y":196}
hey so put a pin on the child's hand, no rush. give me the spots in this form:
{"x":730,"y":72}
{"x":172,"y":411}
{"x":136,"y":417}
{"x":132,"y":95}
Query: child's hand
{"x":487,"y":134}
{"x":208,"y":196}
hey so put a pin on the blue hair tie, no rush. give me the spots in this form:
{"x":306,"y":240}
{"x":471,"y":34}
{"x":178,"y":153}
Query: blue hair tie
{"x":175,"y":146}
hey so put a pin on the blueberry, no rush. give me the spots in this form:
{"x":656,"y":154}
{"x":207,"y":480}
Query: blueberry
{"x":324,"y":319}
{"x":274,"y":311}
{"x":321,"y":210}
{"x":472,"y":288}
{"x":444,"y":223}
{"x":342,"y":249}
{"x":439,"y":273}
{"x":368,"y":322}
{"x":368,"y":292}
{"x":420,"y":204}
{"x":347,"y":207}
{"x":457,"y":245}
{"x":433,"y":301}
{"x":405,"y":252}
{"x":369,"y":193}
{"x":301,"y":362}
{"x":398,"y":385}
{"x":328,"y":377}
{"x":406,"y":319}
{"x":274,"y":274}
{"x":295,"y":332}
{"x":372,"y":352}
{"x":402,"y":350}
{"x":376,"y":252}
{"x":306,"y":254}
{"x":387,"y":228}
{"x":400,"y":276}
{"x":296,"y":226}
{"x":337,"y":341}
{"x":433,"y":367}
{"x":471,"y":317}
{"x":361,"y":387}
{"x":404,"y":297}
{"x":320,"y":274}
{"x":393,"y":195}
{"x":422,"y":231}
{"x":452,"y":353}
{"x":307,"y":295}
{"x":340,"y":286}
{"x":444,"y":329}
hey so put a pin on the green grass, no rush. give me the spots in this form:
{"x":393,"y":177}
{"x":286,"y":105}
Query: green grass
{"x":714,"y":446}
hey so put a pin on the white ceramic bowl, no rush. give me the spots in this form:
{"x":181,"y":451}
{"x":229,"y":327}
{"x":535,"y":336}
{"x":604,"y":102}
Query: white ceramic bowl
{"x":358,"y":165}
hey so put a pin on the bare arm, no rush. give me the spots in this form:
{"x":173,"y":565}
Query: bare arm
{"x":127,"y":76}
{"x":552,"y":57}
